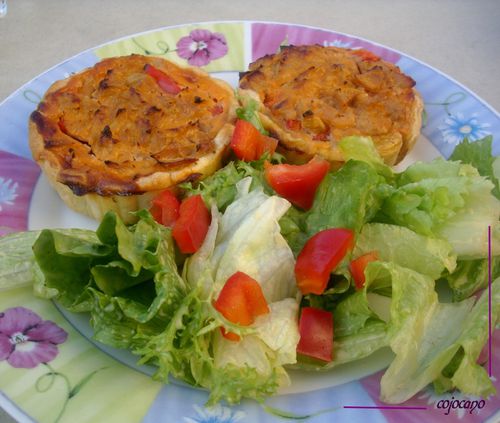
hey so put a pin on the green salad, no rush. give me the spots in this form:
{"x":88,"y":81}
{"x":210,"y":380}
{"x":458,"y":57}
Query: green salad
{"x":422,"y":295}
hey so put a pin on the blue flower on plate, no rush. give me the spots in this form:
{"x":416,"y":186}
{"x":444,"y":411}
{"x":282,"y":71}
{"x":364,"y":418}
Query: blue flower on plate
{"x":215,"y":414}
{"x":457,"y":127}
{"x":8,"y":190}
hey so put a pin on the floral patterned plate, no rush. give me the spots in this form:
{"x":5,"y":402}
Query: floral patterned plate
{"x":50,"y":368}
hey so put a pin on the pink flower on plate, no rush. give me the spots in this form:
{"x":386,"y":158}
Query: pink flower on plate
{"x":26,"y":340}
{"x":201,"y":46}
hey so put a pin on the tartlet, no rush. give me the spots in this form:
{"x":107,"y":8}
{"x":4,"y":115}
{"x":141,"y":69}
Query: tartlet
{"x":112,"y":136}
{"x":311,"y":97}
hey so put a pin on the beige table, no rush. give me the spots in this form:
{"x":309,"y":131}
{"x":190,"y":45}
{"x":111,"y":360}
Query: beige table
{"x":460,"y":38}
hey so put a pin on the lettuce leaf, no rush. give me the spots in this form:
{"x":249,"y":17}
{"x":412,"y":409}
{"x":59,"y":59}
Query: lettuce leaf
{"x":447,"y":200}
{"x":400,"y":245}
{"x":65,"y":262}
{"x":347,"y":198}
{"x":468,"y":375}
{"x":246,"y":238}
{"x":16,"y":259}
{"x":293,"y":228}
{"x":479,"y":154}
{"x":467,"y":230}
{"x":126,"y":277}
{"x":220,"y":188}
{"x":249,"y":112}
{"x":426,"y":335}
{"x":362,"y":149}
{"x":272,"y":345}
{"x":471,"y":276}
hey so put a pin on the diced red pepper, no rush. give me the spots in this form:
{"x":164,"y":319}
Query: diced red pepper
{"x":191,"y":227}
{"x":165,"y":82}
{"x":229,"y":335}
{"x":294,"y":124}
{"x":319,"y":257}
{"x":358,"y":266}
{"x":217,"y":109}
{"x":240,"y":301}
{"x":62,"y":126}
{"x":248,"y":143}
{"x":316,"y":334}
{"x":366,"y":55}
{"x":297,"y":183}
{"x":323,"y":136}
{"x":165,"y":208}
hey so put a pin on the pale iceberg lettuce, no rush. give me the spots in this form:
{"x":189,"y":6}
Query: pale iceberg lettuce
{"x":247,"y":238}
{"x":279,"y":330}
{"x":272,"y":344}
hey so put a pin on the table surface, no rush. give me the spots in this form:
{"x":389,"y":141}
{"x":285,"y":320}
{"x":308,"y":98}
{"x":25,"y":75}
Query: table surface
{"x":460,"y":38}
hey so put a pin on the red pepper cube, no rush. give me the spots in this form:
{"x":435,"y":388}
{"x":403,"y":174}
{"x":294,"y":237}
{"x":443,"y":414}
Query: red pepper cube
{"x":358,"y":266}
{"x":297,"y":183}
{"x":165,"y":208}
{"x":319,"y":257}
{"x":316,"y":334}
{"x":190,"y":229}
{"x":240,"y":301}
{"x":249,"y":144}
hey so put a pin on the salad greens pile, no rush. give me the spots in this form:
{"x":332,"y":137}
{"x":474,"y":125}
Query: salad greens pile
{"x":428,"y":225}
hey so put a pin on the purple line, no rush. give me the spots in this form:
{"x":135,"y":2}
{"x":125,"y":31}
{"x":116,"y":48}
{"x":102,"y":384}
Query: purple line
{"x":385,"y":407}
{"x":489,"y":302}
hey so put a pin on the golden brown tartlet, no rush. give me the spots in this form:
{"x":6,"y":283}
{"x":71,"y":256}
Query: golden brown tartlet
{"x":110,"y":137}
{"x":312,"y":96}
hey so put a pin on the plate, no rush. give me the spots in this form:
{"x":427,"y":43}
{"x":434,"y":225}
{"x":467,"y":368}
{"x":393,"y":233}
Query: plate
{"x":80,"y":380}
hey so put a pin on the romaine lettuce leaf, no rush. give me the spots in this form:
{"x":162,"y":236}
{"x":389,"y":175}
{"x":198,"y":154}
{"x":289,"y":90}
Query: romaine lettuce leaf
{"x":400,"y":245}
{"x":425,"y":335}
{"x":65,"y":262}
{"x":114,"y":260}
{"x":16,"y":259}
{"x":249,"y":111}
{"x":113,"y":327}
{"x":479,"y":154}
{"x":293,"y":229}
{"x":435,"y":169}
{"x":362,"y":149}
{"x":347,"y":198}
{"x":470,"y":276}
{"x":467,"y":230}
{"x":445,"y":200}
{"x":351,"y":314}
{"x":424,"y":350}
{"x":470,"y":377}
